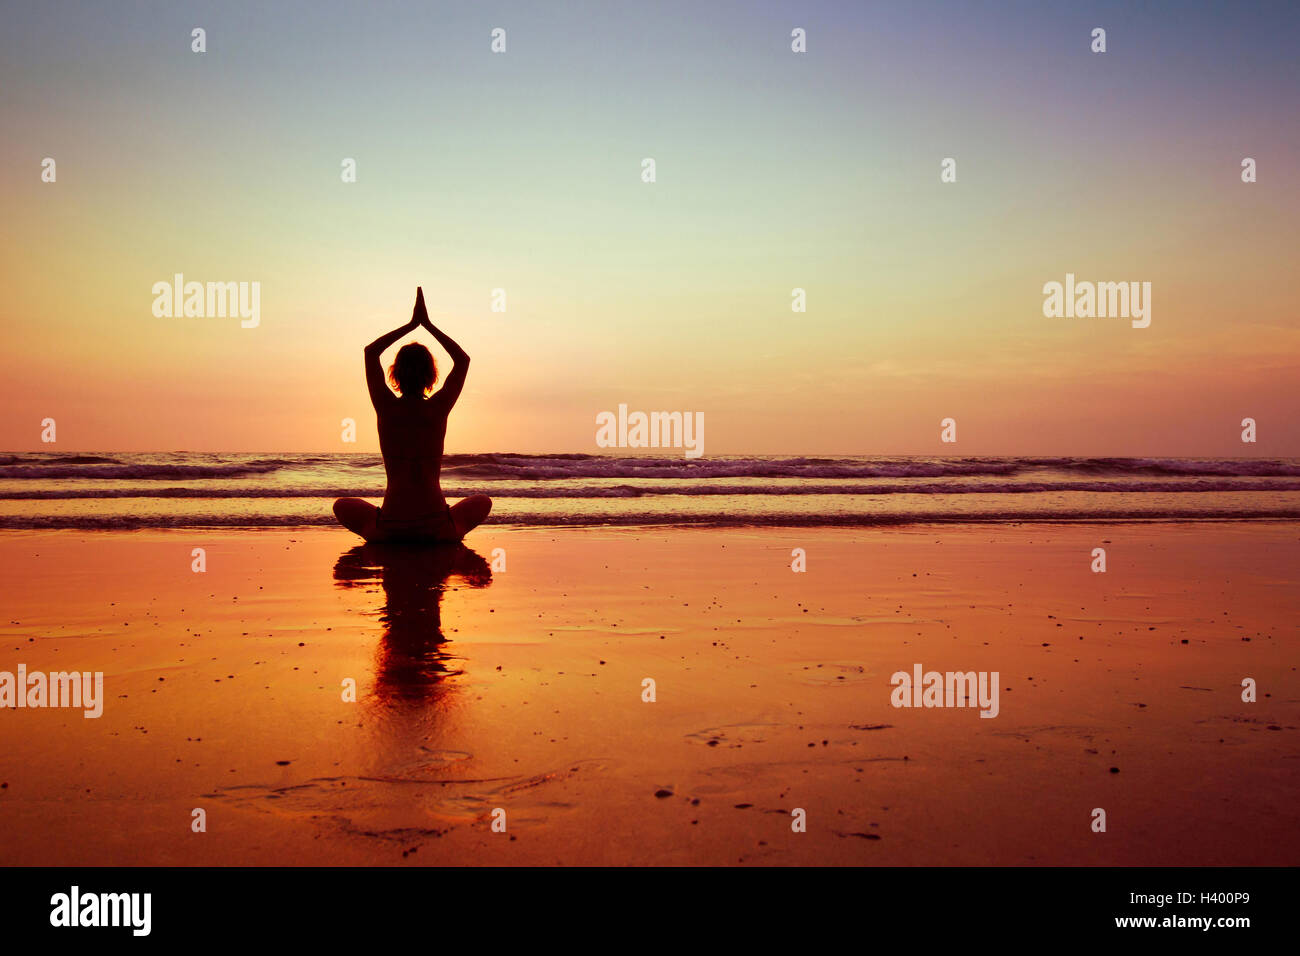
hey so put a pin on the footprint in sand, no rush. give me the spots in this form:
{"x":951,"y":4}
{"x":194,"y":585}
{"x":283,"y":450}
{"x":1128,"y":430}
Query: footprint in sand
{"x":822,"y":673}
{"x":734,"y":735}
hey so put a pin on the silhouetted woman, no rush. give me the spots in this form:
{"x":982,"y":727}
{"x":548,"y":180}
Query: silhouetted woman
{"x":412,"y":428}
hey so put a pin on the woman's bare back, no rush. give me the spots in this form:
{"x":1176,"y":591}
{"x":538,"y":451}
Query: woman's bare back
{"x":411,"y":437}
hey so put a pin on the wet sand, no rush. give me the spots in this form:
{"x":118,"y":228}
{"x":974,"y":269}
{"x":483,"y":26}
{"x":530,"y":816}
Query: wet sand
{"x":521,"y":690}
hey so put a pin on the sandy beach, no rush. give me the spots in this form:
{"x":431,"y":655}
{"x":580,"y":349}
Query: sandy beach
{"x":224,"y":691}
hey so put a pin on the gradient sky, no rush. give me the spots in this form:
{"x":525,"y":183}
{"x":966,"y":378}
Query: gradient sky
{"x":775,"y":170}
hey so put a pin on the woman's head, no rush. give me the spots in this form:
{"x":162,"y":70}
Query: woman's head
{"x":413,"y":372}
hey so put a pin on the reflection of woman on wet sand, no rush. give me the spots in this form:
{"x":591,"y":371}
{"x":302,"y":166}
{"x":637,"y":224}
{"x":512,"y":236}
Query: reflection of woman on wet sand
{"x":412,"y":429}
{"x":412,"y":658}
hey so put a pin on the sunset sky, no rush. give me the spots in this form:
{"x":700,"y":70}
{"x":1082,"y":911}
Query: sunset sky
{"x":775,"y":170}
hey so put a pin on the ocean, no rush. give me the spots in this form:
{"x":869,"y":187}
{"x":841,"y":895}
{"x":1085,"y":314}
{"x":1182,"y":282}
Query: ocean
{"x":194,"y":490}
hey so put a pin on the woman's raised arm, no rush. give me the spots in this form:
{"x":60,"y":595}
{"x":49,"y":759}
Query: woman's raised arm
{"x":450,"y":390}
{"x":379,"y":390}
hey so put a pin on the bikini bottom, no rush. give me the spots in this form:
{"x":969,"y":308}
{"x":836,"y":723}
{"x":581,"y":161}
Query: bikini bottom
{"x":438,"y":526}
